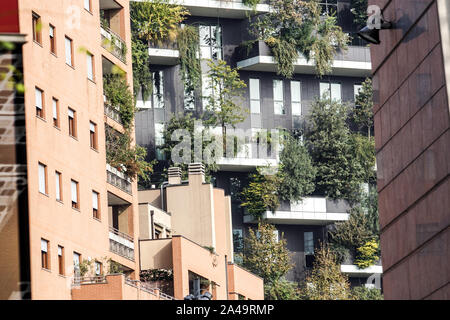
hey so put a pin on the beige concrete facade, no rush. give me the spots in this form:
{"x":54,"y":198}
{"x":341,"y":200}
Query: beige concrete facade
{"x":201,"y":244}
{"x":55,"y":220}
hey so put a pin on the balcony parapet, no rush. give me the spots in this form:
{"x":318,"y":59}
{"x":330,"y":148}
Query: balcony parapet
{"x":310,"y":211}
{"x":118,"y":179}
{"x":121,"y":243}
{"x":112,"y":42}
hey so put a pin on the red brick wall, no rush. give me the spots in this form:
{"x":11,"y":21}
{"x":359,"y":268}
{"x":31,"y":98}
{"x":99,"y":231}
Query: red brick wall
{"x":9,"y":16}
{"x":413,"y":151}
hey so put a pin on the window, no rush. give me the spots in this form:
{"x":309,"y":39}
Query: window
{"x":159,"y":141}
{"x":72,"y":123}
{"x":278,"y":97}
{"x":87,"y":5}
{"x":210,"y":42}
{"x":158,"y":90}
{"x":39,"y":96}
{"x":37,"y":26}
{"x":331,"y":90}
{"x":238,"y":240}
{"x":42,"y":178}
{"x":74,"y":192}
{"x":45,"y":261}
{"x":95,"y":208}
{"x":55,"y":106}
{"x":76,"y":263}
{"x":189,"y":99}
{"x":52,"y":35}
{"x":296,"y":98}
{"x":58,"y":184}
{"x":255,"y":103}
{"x":356,"y":89}
{"x":93,"y":135}
{"x":276,"y":235}
{"x":61,"y":260}
{"x":309,"y":243}
{"x":329,"y":7}
{"x":69,"y":51}
{"x":98,"y":268}
{"x":157,"y":234}
{"x":90,"y":66}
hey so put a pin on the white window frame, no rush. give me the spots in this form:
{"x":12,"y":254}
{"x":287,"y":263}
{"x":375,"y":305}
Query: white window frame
{"x":296,"y":102}
{"x":255,"y":100}
{"x":278,"y":104}
{"x":42,"y":177}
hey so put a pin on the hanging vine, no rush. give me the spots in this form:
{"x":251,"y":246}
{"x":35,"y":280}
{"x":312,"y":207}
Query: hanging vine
{"x":188,"y":46}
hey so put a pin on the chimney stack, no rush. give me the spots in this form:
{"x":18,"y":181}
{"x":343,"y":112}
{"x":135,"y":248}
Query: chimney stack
{"x":174,"y":174}
{"x":196,"y":172}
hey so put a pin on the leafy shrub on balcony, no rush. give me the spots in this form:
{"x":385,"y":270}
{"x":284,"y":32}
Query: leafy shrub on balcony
{"x":367,"y":254}
{"x":129,"y":159}
{"x":363,"y":293}
{"x":86,"y":267}
{"x":156,"y":274}
{"x":119,"y":95}
{"x":297,"y":25}
{"x":359,"y":10}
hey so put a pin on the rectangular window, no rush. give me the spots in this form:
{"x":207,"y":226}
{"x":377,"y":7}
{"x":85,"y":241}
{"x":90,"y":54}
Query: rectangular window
{"x":72,"y":122}
{"x":76,"y":263}
{"x":95,"y":207}
{"x":90,"y":66}
{"x":55,"y":107}
{"x":356,"y":89}
{"x":42,"y":178}
{"x":331,"y":90}
{"x":296,"y":98}
{"x":93,"y":135}
{"x":276,"y":235}
{"x":87,"y":5}
{"x":309,"y":243}
{"x":98,"y":268}
{"x":58,"y":184}
{"x":75,"y":194}
{"x":69,"y":51}
{"x":159,"y":138}
{"x":210,"y":42}
{"x":37,"y":26}
{"x":278,"y":97}
{"x":45,"y":261}
{"x":61,"y":260}
{"x":52,"y":35}
{"x":39,"y":97}
{"x":255,"y":103}
{"x":158,"y":90}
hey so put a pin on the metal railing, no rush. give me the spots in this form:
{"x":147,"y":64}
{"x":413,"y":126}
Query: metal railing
{"x":112,"y":42}
{"x":118,"y":179}
{"x":112,"y":113}
{"x":145,"y":287}
{"x":122,"y":249}
{"x":89,"y":280}
{"x":121,"y":234}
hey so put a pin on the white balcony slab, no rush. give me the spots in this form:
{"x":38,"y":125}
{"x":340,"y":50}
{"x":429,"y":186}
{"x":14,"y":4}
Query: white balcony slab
{"x":233,"y":9}
{"x":353,"y":270}
{"x":300,"y":218}
{"x":244,"y":164}
{"x":340,"y":67}
{"x":163,"y":56}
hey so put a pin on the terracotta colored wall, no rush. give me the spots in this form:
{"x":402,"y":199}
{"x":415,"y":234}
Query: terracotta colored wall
{"x":189,"y":256}
{"x":413,"y":151}
{"x":57,"y":222}
{"x":242,"y":282}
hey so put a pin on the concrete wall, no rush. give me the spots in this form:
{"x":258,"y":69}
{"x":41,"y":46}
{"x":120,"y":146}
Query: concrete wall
{"x":156,"y":254}
{"x":412,"y":141}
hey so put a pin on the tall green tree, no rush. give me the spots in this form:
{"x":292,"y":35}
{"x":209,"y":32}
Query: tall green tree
{"x":269,"y":258}
{"x":186,"y":122}
{"x":261,"y":194}
{"x":363,"y":112}
{"x":223,"y":105}
{"x":328,"y":138}
{"x":325,"y":281}
{"x":296,"y":171}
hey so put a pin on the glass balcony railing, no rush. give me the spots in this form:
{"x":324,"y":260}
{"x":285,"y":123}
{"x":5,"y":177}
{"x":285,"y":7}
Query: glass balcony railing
{"x":113,"y":43}
{"x":121,"y":243}
{"x":118,"y":179}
